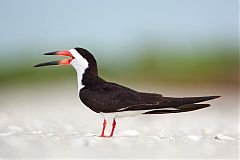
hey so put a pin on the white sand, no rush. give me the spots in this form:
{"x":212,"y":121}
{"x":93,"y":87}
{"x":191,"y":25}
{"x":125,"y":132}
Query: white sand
{"x":49,"y":121}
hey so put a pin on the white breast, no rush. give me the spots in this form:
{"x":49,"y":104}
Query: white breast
{"x":80,"y":64}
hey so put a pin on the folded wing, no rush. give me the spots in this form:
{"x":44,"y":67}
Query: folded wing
{"x":112,"y":97}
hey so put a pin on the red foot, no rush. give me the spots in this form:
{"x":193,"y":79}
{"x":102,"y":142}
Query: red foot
{"x":103,"y":130}
{"x":104,"y":126}
{"x":113,"y":127}
{"x":102,"y":136}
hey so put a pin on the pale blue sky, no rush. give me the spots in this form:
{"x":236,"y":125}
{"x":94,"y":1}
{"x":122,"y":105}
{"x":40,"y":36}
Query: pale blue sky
{"x":109,"y":25}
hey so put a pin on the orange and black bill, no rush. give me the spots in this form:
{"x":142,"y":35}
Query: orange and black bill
{"x":61,"y":62}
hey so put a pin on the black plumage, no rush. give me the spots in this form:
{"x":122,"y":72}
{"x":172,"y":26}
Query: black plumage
{"x":110,"y":97}
{"x":102,"y":96}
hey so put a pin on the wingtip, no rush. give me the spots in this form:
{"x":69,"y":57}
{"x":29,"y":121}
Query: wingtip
{"x":217,"y":96}
{"x":213,"y":97}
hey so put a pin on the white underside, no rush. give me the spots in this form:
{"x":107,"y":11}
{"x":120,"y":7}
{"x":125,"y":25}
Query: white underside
{"x":132,"y":113}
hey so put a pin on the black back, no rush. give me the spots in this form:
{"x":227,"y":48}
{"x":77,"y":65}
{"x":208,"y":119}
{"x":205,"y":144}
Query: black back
{"x":110,"y":97}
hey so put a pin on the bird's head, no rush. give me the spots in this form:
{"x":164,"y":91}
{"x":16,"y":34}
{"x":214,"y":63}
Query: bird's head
{"x":81,"y":59}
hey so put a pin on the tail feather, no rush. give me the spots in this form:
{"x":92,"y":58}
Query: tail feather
{"x":198,"y":99}
{"x":183,"y":108}
{"x":176,"y":102}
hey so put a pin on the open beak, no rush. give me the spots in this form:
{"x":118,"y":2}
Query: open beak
{"x":61,"y":62}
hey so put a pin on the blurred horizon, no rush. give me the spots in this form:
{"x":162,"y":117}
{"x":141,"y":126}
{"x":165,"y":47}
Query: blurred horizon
{"x":215,"y":66}
{"x":159,"y":41}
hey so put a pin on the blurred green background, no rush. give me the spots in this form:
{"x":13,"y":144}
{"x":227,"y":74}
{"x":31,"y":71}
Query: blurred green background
{"x":168,"y":42}
{"x":213,"y":66}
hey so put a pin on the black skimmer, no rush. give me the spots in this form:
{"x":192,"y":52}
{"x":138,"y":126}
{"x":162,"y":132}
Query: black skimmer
{"x":113,"y":100}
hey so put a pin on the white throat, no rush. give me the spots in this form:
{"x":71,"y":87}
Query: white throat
{"x":80,"y":64}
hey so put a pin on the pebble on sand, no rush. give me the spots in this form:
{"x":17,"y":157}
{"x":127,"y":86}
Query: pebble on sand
{"x":220,"y":136}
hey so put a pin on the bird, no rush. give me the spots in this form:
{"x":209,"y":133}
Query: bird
{"x":113,"y":100}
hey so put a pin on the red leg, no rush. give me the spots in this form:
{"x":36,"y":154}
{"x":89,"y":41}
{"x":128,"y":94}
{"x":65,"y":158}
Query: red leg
{"x":103,"y":130}
{"x":113,"y":127}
